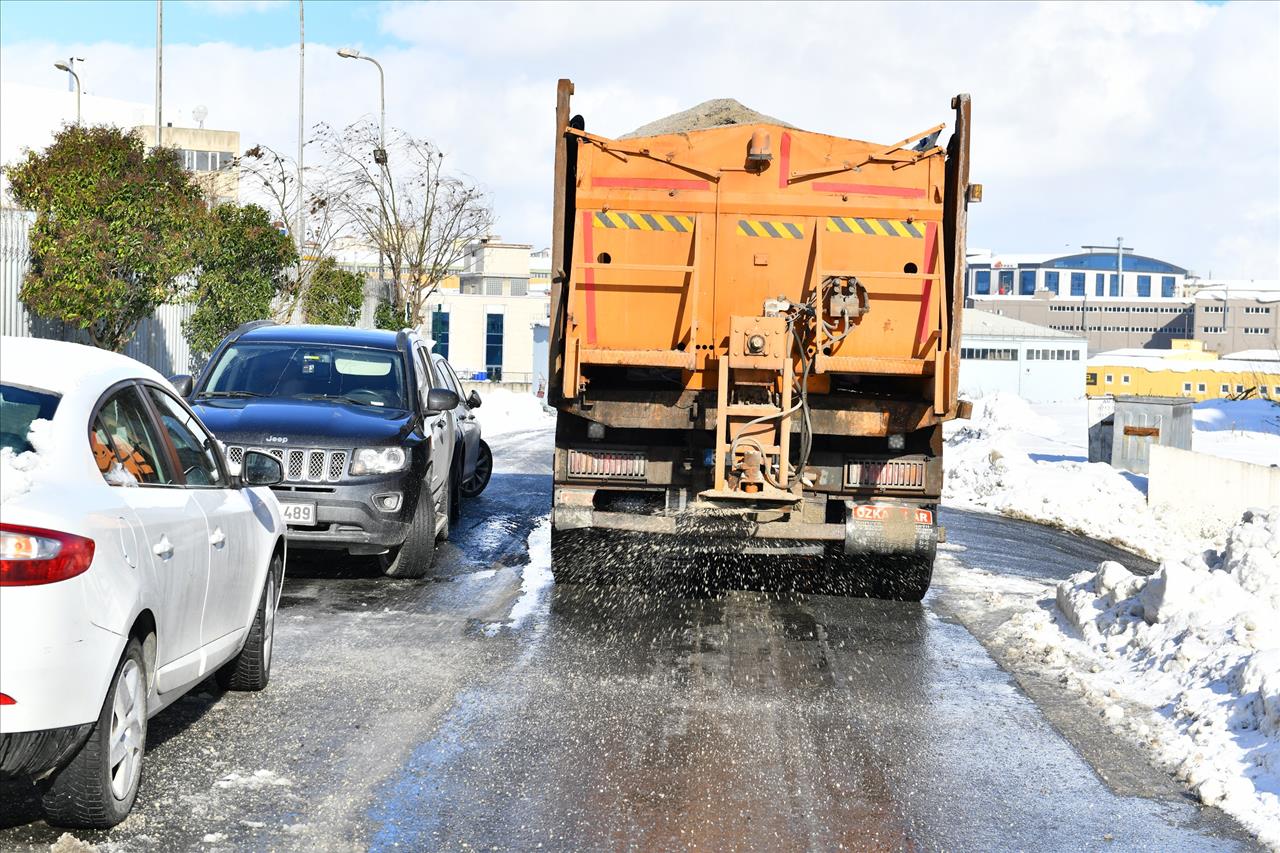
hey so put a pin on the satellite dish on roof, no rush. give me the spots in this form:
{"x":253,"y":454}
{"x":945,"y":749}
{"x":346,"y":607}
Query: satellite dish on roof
{"x":200,"y":113}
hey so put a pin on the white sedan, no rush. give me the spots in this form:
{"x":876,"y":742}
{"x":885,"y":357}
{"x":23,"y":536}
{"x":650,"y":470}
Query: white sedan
{"x":133,"y":565}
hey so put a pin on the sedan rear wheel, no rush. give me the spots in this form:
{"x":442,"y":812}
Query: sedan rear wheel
{"x":251,"y":669}
{"x":97,"y":789}
{"x":475,"y":484}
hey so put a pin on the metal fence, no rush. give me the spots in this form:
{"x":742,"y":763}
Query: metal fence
{"x":158,"y":341}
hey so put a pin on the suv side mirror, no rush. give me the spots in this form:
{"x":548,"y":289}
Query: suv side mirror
{"x":260,"y":469}
{"x":182,"y":383}
{"x":441,"y":400}
{"x":473,"y":401}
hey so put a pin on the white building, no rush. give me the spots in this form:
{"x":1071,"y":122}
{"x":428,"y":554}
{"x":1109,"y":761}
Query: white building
{"x":487,"y":327}
{"x":1002,"y":354}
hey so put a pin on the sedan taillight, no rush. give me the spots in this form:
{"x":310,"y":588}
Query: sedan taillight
{"x":33,"y":555}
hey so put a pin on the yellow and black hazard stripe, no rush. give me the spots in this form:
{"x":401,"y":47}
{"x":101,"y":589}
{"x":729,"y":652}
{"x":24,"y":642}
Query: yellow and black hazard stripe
{"x":672,"y":223}
{"x":770,"y":228}
{"x":874,"y":227}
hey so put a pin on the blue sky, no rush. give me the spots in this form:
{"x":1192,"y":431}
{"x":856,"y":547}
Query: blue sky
{"x":133,"y":22}
{"x":1151,"y":120}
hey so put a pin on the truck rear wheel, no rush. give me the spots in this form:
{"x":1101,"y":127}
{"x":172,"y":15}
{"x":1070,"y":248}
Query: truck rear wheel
{"x":903,"y":577}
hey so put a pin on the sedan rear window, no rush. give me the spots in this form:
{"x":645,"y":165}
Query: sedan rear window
{"x":18,"y":408}
{"x":361,"y":375}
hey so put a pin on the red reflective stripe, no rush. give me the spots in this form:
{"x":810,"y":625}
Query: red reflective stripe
{"x":6,"y":699}
{"x":784,"y":173}
{"x":651,"y":183}
{"x":589,"y":277}
{"x":930,"y":257}
{"x":867,"y":189}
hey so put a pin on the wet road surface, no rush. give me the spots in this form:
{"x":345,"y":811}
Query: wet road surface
{"x":492,"y":709}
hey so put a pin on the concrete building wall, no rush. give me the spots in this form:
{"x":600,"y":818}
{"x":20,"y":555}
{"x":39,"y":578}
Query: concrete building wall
{"x":207,"y":154}
{"x":1201,"y":380}
{"x":1106,"y":323}
{"x":1204,"y":494}
{"x":1236,"y":323}
{"x":468,"y":335}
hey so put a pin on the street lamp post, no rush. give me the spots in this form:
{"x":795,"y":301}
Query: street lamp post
{"x":62,"y":66}
{"x":379,"y":157}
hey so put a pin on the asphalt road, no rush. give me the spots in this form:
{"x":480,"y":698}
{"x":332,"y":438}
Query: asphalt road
{"x":493,"y":709}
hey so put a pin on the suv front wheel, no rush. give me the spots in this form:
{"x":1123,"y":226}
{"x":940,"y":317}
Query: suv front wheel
{"x":413,"y":559}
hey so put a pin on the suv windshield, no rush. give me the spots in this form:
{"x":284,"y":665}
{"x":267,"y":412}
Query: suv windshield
{"x":370,"y":377}
{"x":18,"y":408}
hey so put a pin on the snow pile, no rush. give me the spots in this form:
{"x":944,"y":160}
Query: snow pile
{"x":1247,"y":430}
{"x":18,"y":471}
{"x":1186,"y":661}
{"x":255,"y":780}
{"x":503,"y":411}
{"x":987,"y":469}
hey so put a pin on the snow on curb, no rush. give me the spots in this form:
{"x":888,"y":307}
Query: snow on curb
{"x":504,"y":411}
{"x":987,"y":470}
{"x":1186,"y":662}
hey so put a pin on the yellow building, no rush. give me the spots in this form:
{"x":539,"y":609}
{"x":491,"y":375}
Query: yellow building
{"x":1187,"y":370}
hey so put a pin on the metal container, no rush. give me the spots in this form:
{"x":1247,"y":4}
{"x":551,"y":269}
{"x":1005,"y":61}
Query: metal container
{"x":1140,"y":422}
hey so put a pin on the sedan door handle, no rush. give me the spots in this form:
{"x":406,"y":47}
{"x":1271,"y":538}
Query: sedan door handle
{"x":163,"y":549}
{"x":217,"y":539}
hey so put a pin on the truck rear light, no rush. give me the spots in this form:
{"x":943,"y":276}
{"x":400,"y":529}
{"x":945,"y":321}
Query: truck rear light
{"x":607,"y":464}
{"x":32,"y":555}
{"x":6,"y":699}
{"x":885,"y":474}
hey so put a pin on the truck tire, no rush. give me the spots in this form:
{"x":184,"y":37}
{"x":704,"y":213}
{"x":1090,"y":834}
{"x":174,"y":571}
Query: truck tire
{"x":896,"y":578}
{"x":92,"y":792}
{"x":251,"y":669}
{"x":415,"y":557}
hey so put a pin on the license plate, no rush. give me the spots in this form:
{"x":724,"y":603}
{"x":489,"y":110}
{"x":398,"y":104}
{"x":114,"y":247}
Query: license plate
{"x":298,"y":513}
{"x":885,"y":513}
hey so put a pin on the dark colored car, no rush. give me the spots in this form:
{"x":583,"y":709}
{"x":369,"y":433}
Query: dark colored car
{"x":363,"y":423}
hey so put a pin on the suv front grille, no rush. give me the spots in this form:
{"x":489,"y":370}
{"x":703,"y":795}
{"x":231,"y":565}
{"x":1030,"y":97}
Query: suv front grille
{"x":302,"y":465}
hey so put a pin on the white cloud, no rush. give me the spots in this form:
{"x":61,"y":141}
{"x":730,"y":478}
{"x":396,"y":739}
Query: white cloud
{"x":231,"y":8}
{"x":1153,"y":121}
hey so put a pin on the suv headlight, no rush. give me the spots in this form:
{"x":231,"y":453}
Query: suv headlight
{"x":378,"y":460}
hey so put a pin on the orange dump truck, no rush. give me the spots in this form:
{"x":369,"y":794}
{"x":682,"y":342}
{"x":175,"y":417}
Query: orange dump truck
{"x":755,"y":342}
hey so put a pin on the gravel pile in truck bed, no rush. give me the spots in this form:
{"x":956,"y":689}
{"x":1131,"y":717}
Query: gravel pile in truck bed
{"x":708,"y":114}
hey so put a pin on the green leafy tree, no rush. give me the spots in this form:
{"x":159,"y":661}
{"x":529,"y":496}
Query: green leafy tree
{"x":388,"y":316}
{"x":333,"y":295}
{"x":113,"y":230}
{"x":243,"y":265}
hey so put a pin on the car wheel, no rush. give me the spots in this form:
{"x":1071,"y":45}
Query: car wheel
{"x":251,"y":669}
{"x":475,"y":484}
{"x":97,"y":789}
{"x":413,"y":559}
{"x":455,"y":493}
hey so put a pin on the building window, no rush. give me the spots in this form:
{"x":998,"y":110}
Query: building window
{"x":1166,"y":285}
{"x":493,"y":346}
{"x":1051,"y":281}
{"x":1031,"y":355}
{"x":1200,"y":388}
{"x":1239,"y":389}
{"x":982,"y":281}
{"x":1115,"y":285}
{"x":1077,"y":284}
{"x":1186,"y":386}
{"x":519,"y":287}
{"x":1256,"y":330}
{"x":440,"y":332}
{"x":1026,"y":282}
{"x":493,"y":287}
{"x":1110,"y":379}
{"x":1226,"y":389}
{"x":1124,"y":380}
{"x":1006,"y":282}
{"x":1099,"y":282}
{"x":1144,"y":285}
{"x":1091,"y":379}
{"x":1075,"y":355}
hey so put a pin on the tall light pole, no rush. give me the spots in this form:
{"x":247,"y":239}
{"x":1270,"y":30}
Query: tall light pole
{"x":159,"y":67}
{"x":302,"y":210}
{"x":62,"y":66}
{"x":379,"y":157}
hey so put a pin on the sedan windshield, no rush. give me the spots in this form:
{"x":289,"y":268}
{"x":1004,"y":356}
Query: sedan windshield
{"x":367,"y":377}
{"x":18,"y":408}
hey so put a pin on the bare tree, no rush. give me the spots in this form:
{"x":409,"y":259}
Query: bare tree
{"x":270,"y":179}
{"x":415,"y":214}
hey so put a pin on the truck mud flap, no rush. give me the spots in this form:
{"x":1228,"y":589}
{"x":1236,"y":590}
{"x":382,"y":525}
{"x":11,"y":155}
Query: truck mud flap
{"x":889,"y":530}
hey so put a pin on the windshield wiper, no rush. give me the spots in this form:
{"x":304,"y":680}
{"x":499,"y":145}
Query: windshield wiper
{"x":230,"y":394}
{"x":338,"y":398}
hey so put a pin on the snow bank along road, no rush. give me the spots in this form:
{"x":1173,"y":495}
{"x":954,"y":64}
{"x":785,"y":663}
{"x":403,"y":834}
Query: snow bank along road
{"x":494,"y":709}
